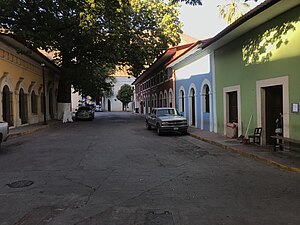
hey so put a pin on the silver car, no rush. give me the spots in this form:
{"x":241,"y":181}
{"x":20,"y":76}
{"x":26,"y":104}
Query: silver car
{"x":166,"y":120}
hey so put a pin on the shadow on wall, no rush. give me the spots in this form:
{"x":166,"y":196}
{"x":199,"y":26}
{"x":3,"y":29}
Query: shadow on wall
{"x":267,"y":46}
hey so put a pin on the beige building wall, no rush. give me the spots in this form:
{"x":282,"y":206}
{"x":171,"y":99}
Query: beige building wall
{"x":23,"y":73}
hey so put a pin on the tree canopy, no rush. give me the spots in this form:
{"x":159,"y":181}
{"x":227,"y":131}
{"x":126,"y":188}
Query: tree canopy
{"x":199,"y":2}
{"x":91,"y":37}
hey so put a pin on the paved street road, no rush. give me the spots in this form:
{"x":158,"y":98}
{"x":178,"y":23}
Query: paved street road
{"x":112,"y":171}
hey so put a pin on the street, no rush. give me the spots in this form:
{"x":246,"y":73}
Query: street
{"x":113,"y":171}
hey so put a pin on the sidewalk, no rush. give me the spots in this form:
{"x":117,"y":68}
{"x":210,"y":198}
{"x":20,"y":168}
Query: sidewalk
{"x":285,"y":160}
{"x":28,"y":129}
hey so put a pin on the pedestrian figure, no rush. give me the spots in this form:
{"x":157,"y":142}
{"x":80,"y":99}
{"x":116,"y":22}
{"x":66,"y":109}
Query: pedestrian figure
{"x":278,"y":131}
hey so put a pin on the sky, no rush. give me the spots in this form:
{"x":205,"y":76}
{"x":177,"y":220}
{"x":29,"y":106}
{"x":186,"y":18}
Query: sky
{"x":204,"y":21}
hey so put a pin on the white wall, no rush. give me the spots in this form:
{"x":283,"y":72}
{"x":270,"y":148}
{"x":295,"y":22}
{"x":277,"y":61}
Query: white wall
{"x":117,"y":105}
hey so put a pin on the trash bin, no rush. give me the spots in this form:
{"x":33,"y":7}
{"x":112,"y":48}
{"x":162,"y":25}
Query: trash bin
{"x":231,"y":130}
{"x":136,"y":110}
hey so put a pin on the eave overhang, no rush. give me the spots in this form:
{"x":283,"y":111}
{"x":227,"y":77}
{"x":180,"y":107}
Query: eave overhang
{"x":187,"y":56}
{"x":33,"y":54}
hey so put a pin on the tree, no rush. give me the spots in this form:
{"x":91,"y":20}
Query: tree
{"x":91,"y":37}
{"x":125,"y":95}
{"x":199,"y":2}
{"x":233,"y":10}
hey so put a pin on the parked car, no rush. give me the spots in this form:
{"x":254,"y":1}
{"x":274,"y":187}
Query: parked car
{"x":166,"y":120}
{"x":92,"y":107}
{"x":84,"y":112}
{"x":4,"y":132}
{"x":98,"y":108}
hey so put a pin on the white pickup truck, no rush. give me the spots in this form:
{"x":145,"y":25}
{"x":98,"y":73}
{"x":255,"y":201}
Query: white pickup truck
{"x":4,"y":131}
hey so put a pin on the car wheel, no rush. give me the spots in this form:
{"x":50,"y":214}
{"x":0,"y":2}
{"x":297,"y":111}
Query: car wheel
{"x":158,"y":130}
{"x":184,"y":132}
{"x":148,"y":126}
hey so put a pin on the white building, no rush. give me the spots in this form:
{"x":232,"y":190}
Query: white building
{"x":112,"y":103}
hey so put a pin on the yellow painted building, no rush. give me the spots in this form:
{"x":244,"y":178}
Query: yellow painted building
{"x":21,"y":84}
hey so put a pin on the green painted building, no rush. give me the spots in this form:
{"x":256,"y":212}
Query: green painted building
{"x":257,"y":71}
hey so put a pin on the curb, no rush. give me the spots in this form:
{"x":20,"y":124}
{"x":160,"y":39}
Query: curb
{"x":16,"y":135}
{"x":250,"y":155}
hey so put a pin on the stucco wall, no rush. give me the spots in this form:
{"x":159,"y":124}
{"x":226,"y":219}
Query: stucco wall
{"x":196,"y":74}
{"x":20,"y":72}
{"x":270,"y":52}
{"x":117,"y":105}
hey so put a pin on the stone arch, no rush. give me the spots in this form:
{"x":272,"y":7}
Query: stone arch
{"x":5,"y":80}
{"x":206,"y":106}
{"x":7,"y":109}
{"x":31,"y":87}
{"x":7,"y":99}
{"x":206,"y":96}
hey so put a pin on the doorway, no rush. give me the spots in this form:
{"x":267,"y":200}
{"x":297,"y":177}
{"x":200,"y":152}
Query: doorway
{"x":7,"y":106}
{"x":232,"y":107}
{"x":193,"y":107}
{"x":273,"y":109}
{"x":23,"y":106}
{"x":108,"y":105}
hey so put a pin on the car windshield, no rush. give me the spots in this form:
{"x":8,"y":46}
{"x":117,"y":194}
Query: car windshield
{"x":167,"y":112}
{"x":84,"y":109}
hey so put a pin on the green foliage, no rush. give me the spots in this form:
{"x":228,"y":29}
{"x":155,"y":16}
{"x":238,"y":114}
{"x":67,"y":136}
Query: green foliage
{"x":233,"y":10}
{"x":199,"y":2}
{"x":86,"y":34}
{"x":125,"y":94}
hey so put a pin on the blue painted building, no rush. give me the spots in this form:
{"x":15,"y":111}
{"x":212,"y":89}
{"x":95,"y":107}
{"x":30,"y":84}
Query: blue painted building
{"x":195,"y":87}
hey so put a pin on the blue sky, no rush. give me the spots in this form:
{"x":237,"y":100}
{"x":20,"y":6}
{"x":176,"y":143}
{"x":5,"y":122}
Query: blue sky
{"x":204,"y":21}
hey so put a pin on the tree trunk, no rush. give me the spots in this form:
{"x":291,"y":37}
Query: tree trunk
{"x":64,"y":91}
{"x":64,"y":100}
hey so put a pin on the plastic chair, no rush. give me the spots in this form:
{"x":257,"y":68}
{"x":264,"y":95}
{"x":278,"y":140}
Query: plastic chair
{"x":255,"y":137}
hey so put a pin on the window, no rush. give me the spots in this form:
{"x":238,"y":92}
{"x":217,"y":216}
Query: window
{"x":33,"y":103}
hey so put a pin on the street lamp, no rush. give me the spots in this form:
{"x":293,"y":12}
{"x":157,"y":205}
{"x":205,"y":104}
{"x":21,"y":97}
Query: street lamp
{"x":43,"y":65}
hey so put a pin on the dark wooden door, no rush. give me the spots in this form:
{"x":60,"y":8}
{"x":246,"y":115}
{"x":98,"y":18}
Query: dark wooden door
{"x":193,"y":108}
{"x":7,"y":106}
{"x":233,"y":107}
{"x":274,"y":107}
{"x":22,"y":106}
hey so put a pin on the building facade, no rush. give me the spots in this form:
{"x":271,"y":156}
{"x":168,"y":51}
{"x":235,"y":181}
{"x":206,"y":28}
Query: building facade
{"x":156,"y":86}
{"x":112,"y":103}
{"x":195,"y":87}
{"x":21,"y":83}
{"x":257,"y":73}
